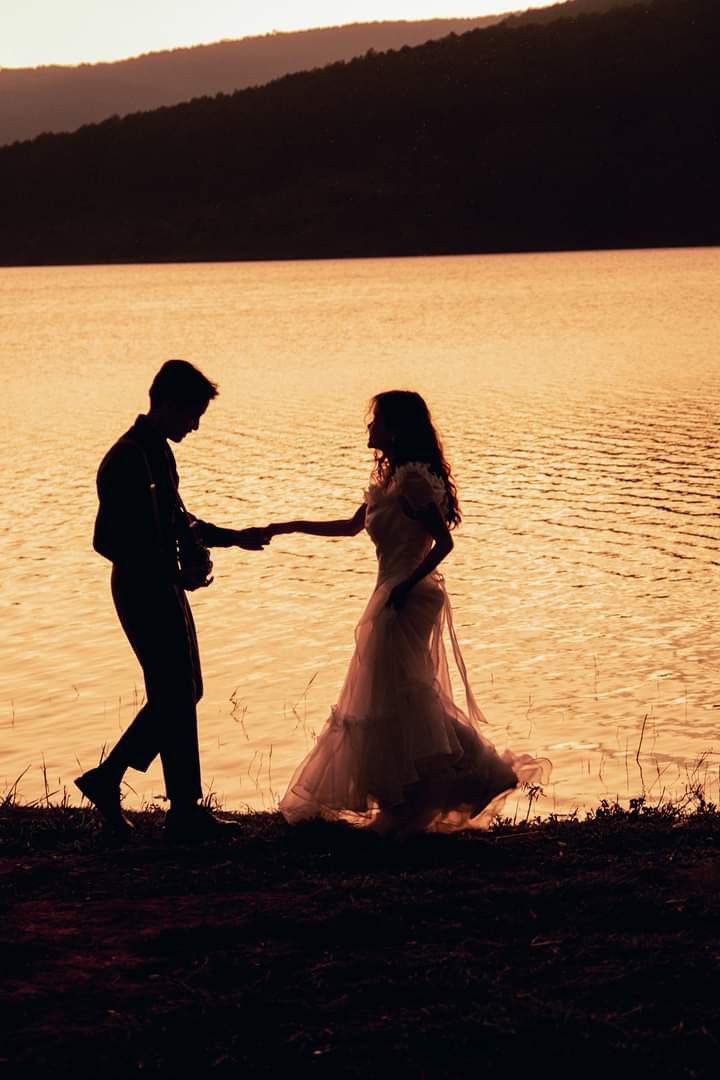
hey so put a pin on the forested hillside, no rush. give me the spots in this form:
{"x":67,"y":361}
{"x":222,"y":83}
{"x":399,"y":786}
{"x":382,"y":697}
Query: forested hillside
{"x":593,"y":132}
{"x":62,"y":98}
{"x":59,"y":98}
{"x":568,"y":9}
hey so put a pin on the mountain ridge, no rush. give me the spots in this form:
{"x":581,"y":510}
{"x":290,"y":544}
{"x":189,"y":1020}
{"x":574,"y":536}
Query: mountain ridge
{"x":61,"y":98}
{"x":596,"y":132}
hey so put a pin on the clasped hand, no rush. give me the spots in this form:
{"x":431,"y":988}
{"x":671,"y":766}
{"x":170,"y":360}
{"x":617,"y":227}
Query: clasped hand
{"x":253,"y":539}
{"x":197,"y":574}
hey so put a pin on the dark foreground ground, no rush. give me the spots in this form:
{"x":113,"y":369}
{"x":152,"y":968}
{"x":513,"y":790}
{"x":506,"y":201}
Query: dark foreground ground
{"x":563,"y":948}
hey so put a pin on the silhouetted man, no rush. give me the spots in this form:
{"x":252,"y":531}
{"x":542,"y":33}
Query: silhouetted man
{"x":159,"y":551}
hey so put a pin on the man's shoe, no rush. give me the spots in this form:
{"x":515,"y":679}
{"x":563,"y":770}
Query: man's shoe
{"x":195,"y":824}
{"x":104,"y":794}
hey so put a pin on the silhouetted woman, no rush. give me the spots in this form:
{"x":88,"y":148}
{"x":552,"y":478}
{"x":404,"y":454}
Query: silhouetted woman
{"x":397,"y":753}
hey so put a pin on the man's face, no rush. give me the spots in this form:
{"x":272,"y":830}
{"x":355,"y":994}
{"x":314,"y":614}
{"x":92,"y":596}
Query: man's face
{"x":183,"y":418}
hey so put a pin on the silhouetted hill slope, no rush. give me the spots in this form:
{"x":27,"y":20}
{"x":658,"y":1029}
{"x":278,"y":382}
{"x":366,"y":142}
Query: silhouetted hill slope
{"x":594,"y":132}
{"x":36,"y":100}
{"x":60,"y":98}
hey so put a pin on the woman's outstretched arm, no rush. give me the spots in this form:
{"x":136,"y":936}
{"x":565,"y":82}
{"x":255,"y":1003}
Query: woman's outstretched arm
{"x":343,"y":527}
{"x":436,"y":525}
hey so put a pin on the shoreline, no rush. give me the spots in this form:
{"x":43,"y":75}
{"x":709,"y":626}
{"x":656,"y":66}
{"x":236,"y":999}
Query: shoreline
{"x":688,"y":244}
{"x":323,"y":947}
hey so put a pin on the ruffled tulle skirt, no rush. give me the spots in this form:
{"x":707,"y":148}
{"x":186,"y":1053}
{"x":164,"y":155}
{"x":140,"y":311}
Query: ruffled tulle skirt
{"x":397,"y":752}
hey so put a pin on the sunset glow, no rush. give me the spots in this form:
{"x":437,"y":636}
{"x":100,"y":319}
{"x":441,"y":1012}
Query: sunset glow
{"x":39,"y":32}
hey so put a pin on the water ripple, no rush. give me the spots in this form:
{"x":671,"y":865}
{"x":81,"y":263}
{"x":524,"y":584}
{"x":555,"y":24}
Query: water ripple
{"x":584,"y":441}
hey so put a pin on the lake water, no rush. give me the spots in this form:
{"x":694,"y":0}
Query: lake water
{"x":578,"y":397}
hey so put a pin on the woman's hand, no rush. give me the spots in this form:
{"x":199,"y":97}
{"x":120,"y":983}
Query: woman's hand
{"x":278,"y":528}
{"x":398,"y":595}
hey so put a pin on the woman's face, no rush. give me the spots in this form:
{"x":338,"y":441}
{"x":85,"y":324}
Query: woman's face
{"x":379,"y":437}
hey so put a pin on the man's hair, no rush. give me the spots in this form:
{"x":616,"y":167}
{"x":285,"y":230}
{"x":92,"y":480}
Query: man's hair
{"x":181,"y":383}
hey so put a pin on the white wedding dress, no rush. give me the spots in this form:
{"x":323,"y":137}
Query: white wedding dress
{"x":397,"y":752}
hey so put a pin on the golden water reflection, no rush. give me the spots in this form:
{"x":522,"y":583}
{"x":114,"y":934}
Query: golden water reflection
{"x":578,"y":397}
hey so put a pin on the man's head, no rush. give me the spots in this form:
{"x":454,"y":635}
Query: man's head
{"x":179,"y":396}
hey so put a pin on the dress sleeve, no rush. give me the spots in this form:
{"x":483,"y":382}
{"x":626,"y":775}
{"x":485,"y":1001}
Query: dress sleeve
{"x":419,"y":487}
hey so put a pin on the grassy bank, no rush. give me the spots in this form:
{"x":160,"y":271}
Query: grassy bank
{"x":584,"y":946}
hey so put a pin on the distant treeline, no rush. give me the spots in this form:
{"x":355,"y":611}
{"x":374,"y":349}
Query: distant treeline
{"x":568,"y":8}
{"x":602,"y":131}
{"x":61,"y":98}
{"x":57,"y":98}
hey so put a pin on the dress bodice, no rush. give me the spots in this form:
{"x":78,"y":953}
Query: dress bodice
{"x":401,"y":540}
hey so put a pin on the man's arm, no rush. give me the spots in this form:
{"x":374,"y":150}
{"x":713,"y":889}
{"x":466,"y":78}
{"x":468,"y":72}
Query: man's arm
{"x":215,"y":536}
{"x":127,"y":529}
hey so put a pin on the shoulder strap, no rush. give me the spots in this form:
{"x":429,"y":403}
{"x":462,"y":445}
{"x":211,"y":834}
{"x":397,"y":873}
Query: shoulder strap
{"x":151,"y":485}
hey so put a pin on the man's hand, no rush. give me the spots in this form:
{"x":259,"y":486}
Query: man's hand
{"x":196,"y":577}
{"x":252,"y":539}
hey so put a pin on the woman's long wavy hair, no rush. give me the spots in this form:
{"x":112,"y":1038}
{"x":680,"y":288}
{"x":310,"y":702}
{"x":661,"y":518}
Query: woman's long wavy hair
{"x":407,"y":418}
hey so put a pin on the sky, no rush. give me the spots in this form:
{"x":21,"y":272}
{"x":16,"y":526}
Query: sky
{"x":35,"y":32}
